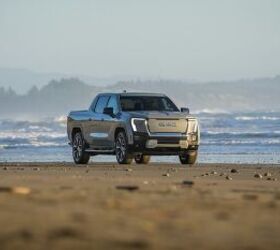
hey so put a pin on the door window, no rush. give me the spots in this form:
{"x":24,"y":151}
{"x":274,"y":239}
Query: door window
{"x":101,"y":104}
{"x":113,"y":103}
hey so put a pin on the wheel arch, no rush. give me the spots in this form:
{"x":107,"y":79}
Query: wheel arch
{"x":119,"y":129}
{"x":74,"y":131}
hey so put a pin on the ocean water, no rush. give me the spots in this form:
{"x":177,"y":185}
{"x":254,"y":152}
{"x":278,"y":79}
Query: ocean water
{"x":225,"y":138}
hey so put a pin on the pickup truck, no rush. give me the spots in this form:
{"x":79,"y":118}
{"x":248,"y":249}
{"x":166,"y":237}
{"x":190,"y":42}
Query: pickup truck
{"x":133,"y":126}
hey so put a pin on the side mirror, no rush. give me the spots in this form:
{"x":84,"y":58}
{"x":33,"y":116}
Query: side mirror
{"x":108,"y":111}
{"x":185,"y":110}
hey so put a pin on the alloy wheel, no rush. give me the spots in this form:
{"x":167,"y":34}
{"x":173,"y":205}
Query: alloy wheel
{"x":120,"y":147}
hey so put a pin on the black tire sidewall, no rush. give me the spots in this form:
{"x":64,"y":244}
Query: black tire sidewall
{"x":188,"y":158}
{"x":84,"y":157}
{"x":128,"y":157}
{"x":144,"y":159}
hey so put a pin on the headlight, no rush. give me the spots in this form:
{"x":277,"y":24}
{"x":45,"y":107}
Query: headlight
{"x":193,"y":131}
{"x":192,"y":126}
{"x":139,"y":125}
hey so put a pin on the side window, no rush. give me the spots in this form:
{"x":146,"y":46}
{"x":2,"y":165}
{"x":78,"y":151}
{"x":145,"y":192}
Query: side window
{"x":113,"y":103}
{"x":101,"y":104}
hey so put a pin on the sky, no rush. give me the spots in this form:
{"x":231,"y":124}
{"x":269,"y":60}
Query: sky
{"x":188,"y":39}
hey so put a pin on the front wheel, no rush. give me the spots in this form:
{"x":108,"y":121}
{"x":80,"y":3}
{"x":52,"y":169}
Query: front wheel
{"x":122,"y":154}
{"x":78,"y":149}
{"x":142,"y":159}
{"x":188,"y":157}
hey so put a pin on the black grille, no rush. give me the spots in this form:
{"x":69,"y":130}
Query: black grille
{"x":168,"y":141}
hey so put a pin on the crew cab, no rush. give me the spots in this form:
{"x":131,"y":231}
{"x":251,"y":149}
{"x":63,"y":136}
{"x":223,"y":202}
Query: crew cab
{"x":133,"y":126}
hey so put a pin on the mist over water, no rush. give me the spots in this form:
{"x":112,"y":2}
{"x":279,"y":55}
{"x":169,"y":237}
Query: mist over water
{"x":32,"y":128}
{"x":225,"y":137}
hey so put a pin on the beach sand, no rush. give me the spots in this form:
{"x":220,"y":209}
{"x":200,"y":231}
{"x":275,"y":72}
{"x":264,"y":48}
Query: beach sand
{"x":157,"y":206}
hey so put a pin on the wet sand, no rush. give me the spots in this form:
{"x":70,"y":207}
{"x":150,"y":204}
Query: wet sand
{"x":158,"y":206}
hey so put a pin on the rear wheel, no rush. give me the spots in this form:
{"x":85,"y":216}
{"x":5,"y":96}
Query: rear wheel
{"x":142,"y":159}
{"x":122,"y":154}
{"x":188,"y":157}
{"x":78,"y":149}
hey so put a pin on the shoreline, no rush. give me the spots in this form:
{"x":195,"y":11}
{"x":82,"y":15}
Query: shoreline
{"x":70,"y":163}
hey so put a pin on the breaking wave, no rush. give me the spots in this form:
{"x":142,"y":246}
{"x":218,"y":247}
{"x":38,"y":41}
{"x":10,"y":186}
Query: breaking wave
{"x":210,"y":111}
{"x":28,"y":134}
{"x":254,"y":118}
{"x":222,"y":133}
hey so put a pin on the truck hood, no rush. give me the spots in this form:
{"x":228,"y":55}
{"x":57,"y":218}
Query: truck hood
{"x":160,"y":115}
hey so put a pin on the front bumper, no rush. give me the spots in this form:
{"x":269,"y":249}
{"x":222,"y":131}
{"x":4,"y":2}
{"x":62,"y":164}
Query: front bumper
{"x":163,"y":143}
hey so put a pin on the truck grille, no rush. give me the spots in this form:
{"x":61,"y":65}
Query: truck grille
{"x":168,"y":141}
{"x":167,"y":125}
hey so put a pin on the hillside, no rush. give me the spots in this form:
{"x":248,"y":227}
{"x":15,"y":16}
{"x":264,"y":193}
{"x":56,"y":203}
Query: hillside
{"x":58,"y":97}
{"x":243,"y":95}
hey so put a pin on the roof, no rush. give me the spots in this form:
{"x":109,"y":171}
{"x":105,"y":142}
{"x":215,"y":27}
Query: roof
{"x":134,"y":94}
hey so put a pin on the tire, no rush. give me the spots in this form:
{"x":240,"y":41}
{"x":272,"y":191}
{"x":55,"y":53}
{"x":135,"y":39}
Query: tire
{"x":142,"y":159}
{"x":188,"y":158}
{"x":78,"y":149}
{"x":121,"y":148}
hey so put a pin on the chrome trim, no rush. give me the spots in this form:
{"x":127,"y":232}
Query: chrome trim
{"x":99,"y":135}
{"x":176,"y":135}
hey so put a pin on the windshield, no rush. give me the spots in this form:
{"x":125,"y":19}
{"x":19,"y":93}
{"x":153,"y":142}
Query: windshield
{"x":147,"y":103}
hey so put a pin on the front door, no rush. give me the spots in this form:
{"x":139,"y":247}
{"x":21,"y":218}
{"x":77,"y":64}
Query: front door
{"x":98,"y":130}
{"x":111,"y":122}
